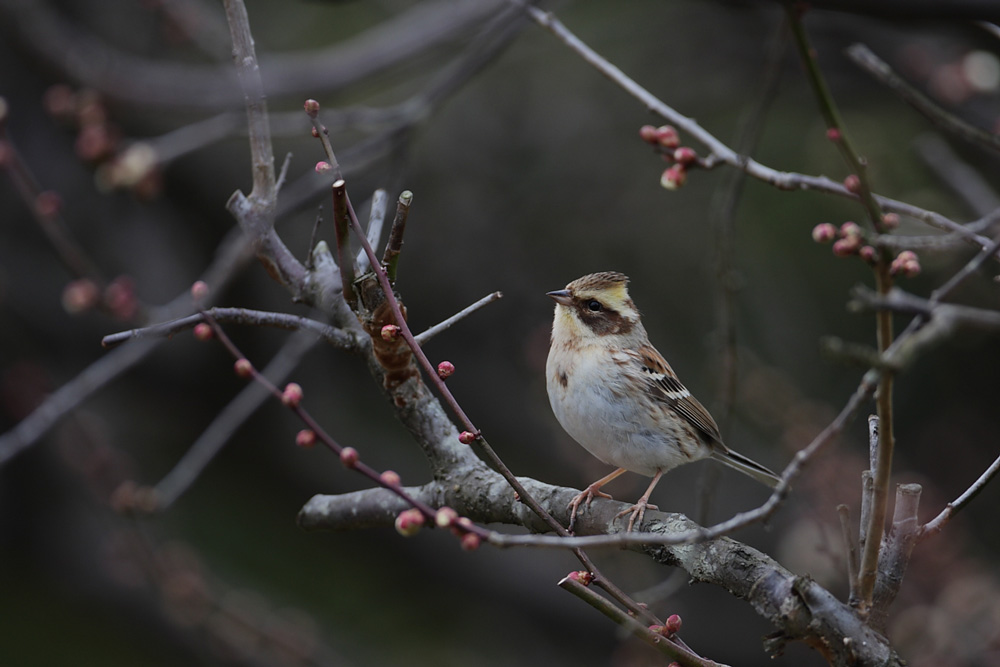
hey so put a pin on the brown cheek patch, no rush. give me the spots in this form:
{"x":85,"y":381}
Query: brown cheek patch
{"x":605,"y":322}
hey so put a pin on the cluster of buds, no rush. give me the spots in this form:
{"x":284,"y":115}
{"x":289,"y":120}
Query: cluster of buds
{"x":667,"y":141}
{"x":906,"y":264}
{"x":119,"y":297}
{"x":847,"y":240}
{"x":460,"y":526}
{"x":99,"y":141}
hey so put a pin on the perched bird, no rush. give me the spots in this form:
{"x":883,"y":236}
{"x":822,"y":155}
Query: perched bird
{"x":618,"y":397}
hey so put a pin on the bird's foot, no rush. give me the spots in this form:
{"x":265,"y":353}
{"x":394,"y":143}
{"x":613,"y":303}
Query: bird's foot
{"x":636,"y":511}
{"x":584,"y":498}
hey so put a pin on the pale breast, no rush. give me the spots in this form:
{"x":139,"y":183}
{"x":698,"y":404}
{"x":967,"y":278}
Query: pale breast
{"x":598,"y":407}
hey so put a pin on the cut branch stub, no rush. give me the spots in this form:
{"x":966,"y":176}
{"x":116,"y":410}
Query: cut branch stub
{"x":390,"y":351}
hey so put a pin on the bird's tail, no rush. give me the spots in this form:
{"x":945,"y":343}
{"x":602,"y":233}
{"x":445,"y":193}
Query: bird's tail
{"x":746,"y":466}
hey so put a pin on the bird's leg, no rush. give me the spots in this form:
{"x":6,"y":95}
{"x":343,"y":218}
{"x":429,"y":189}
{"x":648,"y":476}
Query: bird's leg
{"x":642,"y":504}
{"x":587,"y":495}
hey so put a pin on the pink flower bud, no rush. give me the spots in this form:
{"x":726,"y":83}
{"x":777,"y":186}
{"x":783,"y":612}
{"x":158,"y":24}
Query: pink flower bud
{"x":349,"y":457}
{"x":906,"y":263}
{"x":673,"y":177}
{"x":868,"y":253}
{"x":292,"y":395}
{"x":199,"y":290}
{"x":666,"y":136}
{"x":243,"y":367}
{"x":445,"y":517}
{"x":672,"y":625}
{"x":649,"y":134}
{"x":890,"y":220}
{"x":322,"y":167}
{"x":314,"y":132}
{"x":853,"y":183}
{"x":845,"y":247}
{"x":445,"y":369}
{"x":80,"y":295}
{"x":408,"y":522}
{"x":390,"y":332}
{"x":850,"y":230}
{"x":466,"y":438}
{"x":470,"y":542}
{"x":390,"y":478}
{"x":203,"y":331}
{"x":833,"y":134}
{"x":581,"y":576}
{"x":685,"y":155}
{"x":824,"y":232}
{"x":312,"y":107}
{"x":305,"y":438}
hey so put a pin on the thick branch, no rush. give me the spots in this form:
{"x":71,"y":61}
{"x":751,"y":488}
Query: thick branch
{"x":799,"y":608}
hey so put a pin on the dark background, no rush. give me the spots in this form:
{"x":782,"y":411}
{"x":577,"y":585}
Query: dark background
{"x":527,"y":176}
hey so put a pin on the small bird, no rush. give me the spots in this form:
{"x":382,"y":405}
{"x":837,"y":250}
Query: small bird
{"x":618,"y":397}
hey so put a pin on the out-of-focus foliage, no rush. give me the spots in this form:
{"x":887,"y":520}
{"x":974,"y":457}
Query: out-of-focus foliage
{"x":526,"y":177}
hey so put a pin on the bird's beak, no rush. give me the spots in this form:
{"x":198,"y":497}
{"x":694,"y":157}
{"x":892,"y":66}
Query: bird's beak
{"x":560,"y":296}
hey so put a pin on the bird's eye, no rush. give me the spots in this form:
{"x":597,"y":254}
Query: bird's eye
{"x":595,"y":306}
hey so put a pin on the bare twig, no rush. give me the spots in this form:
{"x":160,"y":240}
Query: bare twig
{"x":345,"y":260}
{"x":426,"y":335}
{"x":347,"y":340}
{"x":390,"y":259}
{"x":878,"y":68}
{"x":376,"y":219}
{"x":850,"y":551}
{"x":663,"y":644}
{"x":937,"y":524}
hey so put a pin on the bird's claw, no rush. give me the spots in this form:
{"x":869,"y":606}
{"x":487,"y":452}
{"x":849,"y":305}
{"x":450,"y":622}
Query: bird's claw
{"x":584,"y":498}
{"x":637,"y":511}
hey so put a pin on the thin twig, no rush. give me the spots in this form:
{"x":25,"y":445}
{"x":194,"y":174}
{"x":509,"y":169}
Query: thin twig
{"x":390,"y":259}
{"x":663,"y":644}
{"x":345,"y":262}
{"x":242,"y":316}
{"x":376,"y":219}
{"x":426,"y":335}
{"x":937,"y":524}
{"x":850,"y":550}
{"x":878,"y":68}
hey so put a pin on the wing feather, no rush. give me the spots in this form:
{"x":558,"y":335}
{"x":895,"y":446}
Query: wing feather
{"x":666,"y":386}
